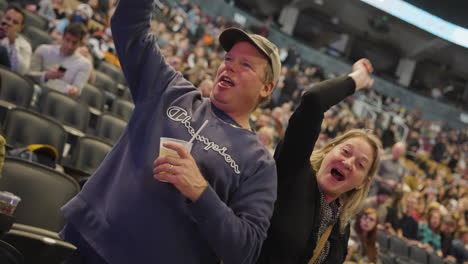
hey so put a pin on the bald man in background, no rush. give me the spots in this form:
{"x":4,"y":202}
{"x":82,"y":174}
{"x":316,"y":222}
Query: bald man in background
{"x":392,"y":169}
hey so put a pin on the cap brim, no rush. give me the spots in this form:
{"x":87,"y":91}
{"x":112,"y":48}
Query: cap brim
{"x":231,"y":36}
{"x":44,"y":147}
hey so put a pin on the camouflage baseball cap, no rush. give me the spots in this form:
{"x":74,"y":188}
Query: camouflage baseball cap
{"x":231,"y":36}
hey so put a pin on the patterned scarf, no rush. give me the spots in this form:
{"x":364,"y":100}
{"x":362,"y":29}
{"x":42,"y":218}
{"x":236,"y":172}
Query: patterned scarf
{"x":329,"y":215}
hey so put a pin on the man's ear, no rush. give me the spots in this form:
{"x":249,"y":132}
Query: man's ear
{"x":267,"y":89}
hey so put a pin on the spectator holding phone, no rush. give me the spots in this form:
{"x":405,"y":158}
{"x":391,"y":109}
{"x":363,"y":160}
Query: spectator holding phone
{"x":62,"y":67}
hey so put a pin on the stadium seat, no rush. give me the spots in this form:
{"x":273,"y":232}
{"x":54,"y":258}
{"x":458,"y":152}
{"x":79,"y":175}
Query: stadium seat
{"x":39,"y":249}
{"x":122,"y":109}
{"x":66,"y":110}
{"x":127,"y":95}
{"x":23,"y":127}
{"x":33,"y":20}
{"x":93,"y":97}
{"x":398,"y":249}
{"x":35,"y":230}
{"x":89,"y":153}
{"x":105,"y":82}
{"x":36,"y":36}
{"x":434,"y":259}
{"x":43,"y":191}
{"x":386,"y":258}
{"x":15,"y":88}
{"x":112,"y":71}
{"x":110,"y":127}
{"x":9,"y":254}
{"x":418,"y":255}
{"x":382,"y":240}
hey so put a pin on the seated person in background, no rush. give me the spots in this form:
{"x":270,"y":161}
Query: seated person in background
{"x":62,"y":67}
{"x":407,"y":227}
{"x":447,"y":235}
{"x":379,"y":202}
{"x":394,"y":211}
{"x":392,"y":169}
{"x":18,"y":48}
{"x":81,"y":13}
{"x":363,"y":247}
{"x":428,"y":233}
{"x":460,"y":246}
{"x":52,"y":10}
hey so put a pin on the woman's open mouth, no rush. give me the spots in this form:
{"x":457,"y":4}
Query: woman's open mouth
{"x":337,"y":175}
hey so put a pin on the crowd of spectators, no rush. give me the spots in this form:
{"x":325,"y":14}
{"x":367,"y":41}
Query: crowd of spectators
{"x":421,"y":191}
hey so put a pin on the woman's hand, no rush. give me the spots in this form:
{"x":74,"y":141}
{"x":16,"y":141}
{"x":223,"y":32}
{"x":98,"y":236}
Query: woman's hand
{"x":362,"y":70}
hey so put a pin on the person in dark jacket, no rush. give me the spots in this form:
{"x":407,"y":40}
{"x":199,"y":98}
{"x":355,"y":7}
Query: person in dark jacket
{"x":212,"y":203}
{"x":321,"y":189}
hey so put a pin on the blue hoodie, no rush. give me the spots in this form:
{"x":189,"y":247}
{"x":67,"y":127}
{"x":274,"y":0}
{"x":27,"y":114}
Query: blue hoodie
{"x":127,"y":216}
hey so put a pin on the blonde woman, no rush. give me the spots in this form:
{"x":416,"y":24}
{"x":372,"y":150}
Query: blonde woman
{"x":319,"y":191}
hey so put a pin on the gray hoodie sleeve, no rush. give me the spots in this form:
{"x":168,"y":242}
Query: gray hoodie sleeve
{"x":145,"y":69}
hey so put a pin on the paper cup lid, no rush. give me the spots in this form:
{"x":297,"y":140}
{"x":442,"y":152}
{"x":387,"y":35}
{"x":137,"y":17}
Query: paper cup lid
{"x":11,"y":198}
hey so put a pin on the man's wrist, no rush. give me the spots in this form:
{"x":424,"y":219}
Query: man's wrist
{"x":198,"y":192}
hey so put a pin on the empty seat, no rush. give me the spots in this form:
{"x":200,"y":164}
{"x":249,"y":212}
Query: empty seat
{"x":386,"y":258}
{"x":9,"y":254}
{"x":23,"y":127}
{"x":122,"y":109}
{"x":418,"y":255}
{"x":66,"y":110}
{"x":434,"y":259}
{"x":93,"y":97}
{"x":110,"y":127}
{"x":89,"y":153}
{"x":33,"y":20}
{"x":112,"y":71}
{"x":39,"y":249}
{"x":37,"y":36}
{"x":43,"y":191}
{"x":127,"y":95}
{"x":15,"y":88}
{"x":105,"y":82}
{"x":398,"y":249}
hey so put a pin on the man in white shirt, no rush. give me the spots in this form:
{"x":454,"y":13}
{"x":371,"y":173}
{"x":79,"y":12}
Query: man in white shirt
{"x":62,"y":67}
{"x":19,"y":49}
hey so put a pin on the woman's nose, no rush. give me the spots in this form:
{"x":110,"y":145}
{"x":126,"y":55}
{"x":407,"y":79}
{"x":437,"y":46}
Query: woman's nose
{"x":348,"y":163}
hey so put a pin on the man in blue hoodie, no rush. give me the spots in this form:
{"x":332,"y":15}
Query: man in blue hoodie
{"x":215,"y":202}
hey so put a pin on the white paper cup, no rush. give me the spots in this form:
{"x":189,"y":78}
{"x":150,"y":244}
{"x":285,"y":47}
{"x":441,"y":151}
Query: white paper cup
{"x":169,"y":152}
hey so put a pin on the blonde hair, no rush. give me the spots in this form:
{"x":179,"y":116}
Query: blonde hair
{"x":351,"y":201}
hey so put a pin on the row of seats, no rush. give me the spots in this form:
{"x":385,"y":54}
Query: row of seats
{"x":394,"y":250}
{"x":33,"y":237}
{"x":24,"y":127}
{"x":19,"y":90}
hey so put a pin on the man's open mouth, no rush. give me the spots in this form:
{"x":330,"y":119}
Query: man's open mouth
{"x":226,"y":81}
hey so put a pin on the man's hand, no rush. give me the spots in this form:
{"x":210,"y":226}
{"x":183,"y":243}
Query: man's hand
{"x":73,"y":91}
{"x":182,"y":172}
{"x":362,"y":70}
{"x":54,"y":73}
